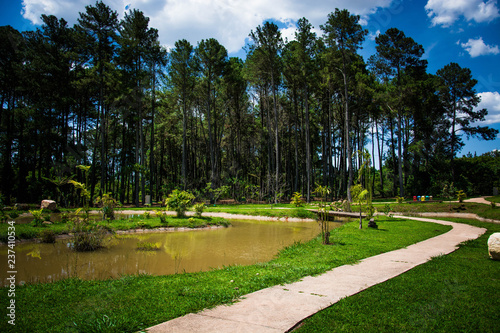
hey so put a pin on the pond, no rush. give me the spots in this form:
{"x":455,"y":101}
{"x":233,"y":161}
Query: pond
{"x":244,"y":243}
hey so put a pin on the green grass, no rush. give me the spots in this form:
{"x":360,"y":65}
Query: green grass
{"x":281,"y":210}
{"x":495,"y":199}
{"x":28,"y":231}
{"x":482,"y":210}
{"x":459,"y":292}
{"x":131,"y":303}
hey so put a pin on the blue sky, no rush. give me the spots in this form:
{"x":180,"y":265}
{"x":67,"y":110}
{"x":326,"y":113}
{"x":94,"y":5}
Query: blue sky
{"x":463,"y":31}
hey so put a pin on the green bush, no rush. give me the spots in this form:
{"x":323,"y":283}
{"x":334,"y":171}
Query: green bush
{"x":48,"y":236}
{"x":37,"y":217}
{"x":87,"y":236}
{"x":297,"y":200}
{"x":179,"y":201}
{"x":199,"y":208}
{"x":461,"y":196}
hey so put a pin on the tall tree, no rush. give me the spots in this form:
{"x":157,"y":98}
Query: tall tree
{"x":343,"y":33}
{"x":403,"y":56}
{"x":212,"y":59}
{"x":182,"y":76}
{"x":137,"y":41}
{"x":267,"y":45}
{"x":460,"y":101}
{"x":100,"y":23}
{"x":306,"y":39}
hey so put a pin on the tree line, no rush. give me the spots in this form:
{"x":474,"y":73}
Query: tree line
{"x":292,"y":115}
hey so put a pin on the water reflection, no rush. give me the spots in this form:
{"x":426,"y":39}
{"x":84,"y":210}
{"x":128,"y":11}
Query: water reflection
{"x":246,"y":242}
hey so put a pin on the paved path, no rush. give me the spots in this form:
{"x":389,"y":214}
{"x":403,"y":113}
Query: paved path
{"x":481,"y":200}
{"x":279,"y":308}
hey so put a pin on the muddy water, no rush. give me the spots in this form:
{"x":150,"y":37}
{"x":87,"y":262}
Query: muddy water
{"x":244,"y":243}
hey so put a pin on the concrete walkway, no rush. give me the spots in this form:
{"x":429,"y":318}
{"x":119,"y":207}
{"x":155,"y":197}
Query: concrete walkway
{"x":280,"y":308}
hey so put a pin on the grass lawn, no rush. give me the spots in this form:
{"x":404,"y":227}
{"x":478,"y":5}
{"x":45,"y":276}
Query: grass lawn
{"x":132,"y":303}
{"x":495,"y":199}
{"x":459,"y":292}
{"x":482,"y":210}
{"x":280,"y":210}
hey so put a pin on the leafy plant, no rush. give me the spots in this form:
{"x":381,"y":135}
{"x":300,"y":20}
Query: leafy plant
{"x":37,"y":217}
{"x":48,"y":236}
{"x":65,"y":218}
{"x":14,"y":214}
{"x":216,"y":193}
{"x":359,"y":194}
{"x":179,"y":201}
{"x":387,"y":210}
{"x":297,"y":200}
{"x":87,"y":235}
{"x":461,"y":196}
{"x":147,"y":215}
{"x":161,"y":215}
{"x":199,"y":208}
{"x":448,"y":191}
{"x":108,"y":204}
{"x":399,"y":199}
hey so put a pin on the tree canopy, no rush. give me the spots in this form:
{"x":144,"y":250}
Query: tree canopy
{"x":104,"y":93}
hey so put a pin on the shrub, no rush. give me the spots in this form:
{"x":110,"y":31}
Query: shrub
{"x":65,"y":218}
{"x":163,"y":219}
{"x":297,"y":200}
{"x":199,"y":208}
{"x":87,"y":236}
{"x":48,"y":236}
{"x":147,"y":215}
{"x":179,"y":201}
{"x":461,"y":196}
{"x":399,"y":199}
{"x":37,"y":217}
{"x":108,"y":204}
{"x":14,"y":214}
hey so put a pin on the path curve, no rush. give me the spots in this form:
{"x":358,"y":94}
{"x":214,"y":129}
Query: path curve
{"x":280,"y":308}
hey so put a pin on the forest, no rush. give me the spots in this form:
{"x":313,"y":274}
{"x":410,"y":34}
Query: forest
{"x":291,"y":116}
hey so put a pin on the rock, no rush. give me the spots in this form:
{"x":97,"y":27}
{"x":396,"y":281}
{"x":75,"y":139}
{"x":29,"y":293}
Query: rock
{"x":494,"y":246}
{"x":47,"y":222}
{"x":48,"y":204}
{"x":372,"y":224}
{"x":22,"y":206}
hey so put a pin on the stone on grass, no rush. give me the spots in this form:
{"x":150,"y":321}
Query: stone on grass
{"x":494,"y":246}
{"x":48,"y":204}
{"x":372,"y":224}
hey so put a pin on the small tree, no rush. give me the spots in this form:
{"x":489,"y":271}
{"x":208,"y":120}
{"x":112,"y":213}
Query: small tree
{"x":108,"y":205}
{"x":180,"y":202}
{"x":323,"y":192}
{"x":216,"y":193}
{"x":447,"y":192}
{"x":461,"y":196}
{"x":198,"y":209}
{"x":87,"y":235}
{"x":297,"y":200}
{"x":359,"y":194}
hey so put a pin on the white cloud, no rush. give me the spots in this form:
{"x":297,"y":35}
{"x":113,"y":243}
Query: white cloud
{"x":373,"y":35}
{"x":229,"y":21}
{"x":491,"y":102}
{"x":446,"y":12}
{"x":477,"y":47}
